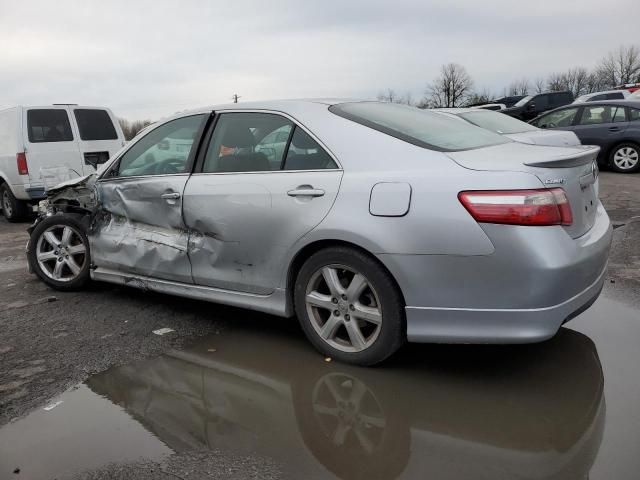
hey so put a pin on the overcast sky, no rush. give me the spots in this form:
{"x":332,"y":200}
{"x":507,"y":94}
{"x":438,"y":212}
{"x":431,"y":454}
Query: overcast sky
{"x":148,"y":59}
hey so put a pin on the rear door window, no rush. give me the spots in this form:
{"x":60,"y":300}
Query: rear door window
{"x":305,"y":154}
{"x":634,"y":114}
{"x":95,"y":124}
{"x":48,"y":125}
{"x":615,"y":96}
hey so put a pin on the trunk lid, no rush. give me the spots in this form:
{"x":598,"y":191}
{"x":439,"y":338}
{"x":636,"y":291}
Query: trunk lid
{"x":572,"y":168}
{"x":558,"y":138}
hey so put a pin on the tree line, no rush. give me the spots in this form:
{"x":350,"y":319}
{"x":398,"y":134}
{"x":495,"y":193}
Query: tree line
{"x":131,"y":128}
{"x":454,"y":87}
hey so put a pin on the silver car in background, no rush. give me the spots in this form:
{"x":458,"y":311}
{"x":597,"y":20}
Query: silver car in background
{"x":375,"y":224}
{"x":512,"y":127}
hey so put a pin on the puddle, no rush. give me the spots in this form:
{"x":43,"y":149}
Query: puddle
{"x":435,"y":411}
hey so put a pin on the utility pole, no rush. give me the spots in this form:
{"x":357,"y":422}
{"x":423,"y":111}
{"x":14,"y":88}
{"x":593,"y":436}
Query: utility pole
{"x":235,"y":97}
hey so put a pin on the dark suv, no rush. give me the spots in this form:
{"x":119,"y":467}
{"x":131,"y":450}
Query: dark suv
{"x":531,"y":106}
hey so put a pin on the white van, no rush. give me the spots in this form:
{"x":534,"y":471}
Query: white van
{"x":43,"y":146}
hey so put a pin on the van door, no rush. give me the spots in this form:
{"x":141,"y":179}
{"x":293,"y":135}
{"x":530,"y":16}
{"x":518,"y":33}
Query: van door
{"x":50,"y":146}
{"x":99,"y":136}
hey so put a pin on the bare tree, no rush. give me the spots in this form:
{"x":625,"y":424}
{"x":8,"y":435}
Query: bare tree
{"x":130,"y":129}
{"x":620,"y":66}
{"x":519,"y":87}
{"x":480,"y":97}
{"x":577,"y":80}
{"x":451,"y":88}
{"x":539,"y":85}
{"x":390,"y":96}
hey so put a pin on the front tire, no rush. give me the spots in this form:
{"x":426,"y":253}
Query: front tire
{"x":59,"y":252}
{"x":349,"y":306}
{"x":13,"y":209}
{"x":625,"y":158}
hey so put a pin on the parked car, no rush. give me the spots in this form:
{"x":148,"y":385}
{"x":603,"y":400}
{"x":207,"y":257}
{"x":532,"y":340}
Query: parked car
{"x":613,"y":125}
{"x":492,"y":106}
{"x":42,"y":146}
{"x":512,"y":127}
{"x":509,"y":101}
{"x":607,"y":95}
{"x":531,"y":106}
{"x":394,"y":224}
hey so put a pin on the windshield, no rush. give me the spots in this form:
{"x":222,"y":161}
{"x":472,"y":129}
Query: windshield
{"x":522,"y":101}
{"x":497,"y":122}
{"x":418,"y":127}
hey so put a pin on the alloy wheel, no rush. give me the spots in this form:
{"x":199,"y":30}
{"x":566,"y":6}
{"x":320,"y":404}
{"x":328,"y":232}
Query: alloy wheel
{"x":61,"y":253}
{"x":626,"y":158}
{"x":343,"y":307}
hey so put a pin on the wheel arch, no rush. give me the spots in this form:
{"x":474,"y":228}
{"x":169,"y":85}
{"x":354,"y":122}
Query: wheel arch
{"x":310,"y":248}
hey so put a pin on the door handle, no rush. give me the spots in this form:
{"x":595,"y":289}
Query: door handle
{"x":614,"y":129}
{"x":170,"y":196}
{"x":306,"y":192}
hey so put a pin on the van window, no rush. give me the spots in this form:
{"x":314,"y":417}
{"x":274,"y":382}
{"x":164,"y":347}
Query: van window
{"x":48,"y":125}
{"x":95,"y":124}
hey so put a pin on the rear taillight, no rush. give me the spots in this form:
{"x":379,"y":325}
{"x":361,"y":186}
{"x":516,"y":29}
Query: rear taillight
{"x":519,"y":207}
{"x":21,"y":160}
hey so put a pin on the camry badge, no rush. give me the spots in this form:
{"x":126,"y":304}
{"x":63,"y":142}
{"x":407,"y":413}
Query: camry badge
{"x":553,"y":181}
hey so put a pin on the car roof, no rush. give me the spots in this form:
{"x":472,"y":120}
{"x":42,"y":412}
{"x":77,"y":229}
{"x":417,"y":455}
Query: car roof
{"x":600,"y":93}
{"x":616,"y":103}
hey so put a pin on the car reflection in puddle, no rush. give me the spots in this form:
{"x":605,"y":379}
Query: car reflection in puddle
{"x":529,"y":411}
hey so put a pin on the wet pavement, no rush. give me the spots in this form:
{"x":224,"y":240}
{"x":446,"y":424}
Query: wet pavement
{"x":564,"y":409}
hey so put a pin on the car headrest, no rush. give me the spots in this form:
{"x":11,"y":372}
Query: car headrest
{"x":238,"y":136}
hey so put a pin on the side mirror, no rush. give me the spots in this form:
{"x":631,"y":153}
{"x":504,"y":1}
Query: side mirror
{"x":531,"y":107}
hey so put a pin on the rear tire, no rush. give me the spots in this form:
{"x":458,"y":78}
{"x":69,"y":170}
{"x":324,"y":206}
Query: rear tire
{"x":58,"y":253}
{"x":13,"y":209}
{"x":625,"y":158}
{"x":349,"y":306}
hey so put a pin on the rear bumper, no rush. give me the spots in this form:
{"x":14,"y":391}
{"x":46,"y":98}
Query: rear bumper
{"x":536,"y":279}
{"x":28,"y":192}
{"x":461,"y":325}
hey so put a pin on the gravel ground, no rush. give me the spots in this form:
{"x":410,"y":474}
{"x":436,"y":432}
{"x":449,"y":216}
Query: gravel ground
{"x":52,"y":340}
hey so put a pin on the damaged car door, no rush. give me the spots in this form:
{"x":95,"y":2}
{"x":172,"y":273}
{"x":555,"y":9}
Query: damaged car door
{"x":262,"y":183}
{"x":139,"y":227}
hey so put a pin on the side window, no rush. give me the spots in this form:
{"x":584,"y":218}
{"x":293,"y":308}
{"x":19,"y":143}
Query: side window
{"x":599,"y":114}
{"x":618,"y":114}
{"x":163,"y":150}
{"x":48,"y":125}
{"x":95,"y":124}
{"x":595,"y":98}
{"x":305,"y":154}
{"x":541,"y":102}
{"x":634,"y":114}
{"x":561,"y":118}
{"x":615,"y":96}
{"x":247,"y":142}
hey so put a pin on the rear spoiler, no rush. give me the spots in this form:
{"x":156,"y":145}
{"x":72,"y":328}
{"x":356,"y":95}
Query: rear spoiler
{"x":588,"y":155}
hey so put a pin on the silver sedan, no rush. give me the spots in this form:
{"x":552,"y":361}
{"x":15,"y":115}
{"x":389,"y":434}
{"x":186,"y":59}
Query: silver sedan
{"x":372,"y":223}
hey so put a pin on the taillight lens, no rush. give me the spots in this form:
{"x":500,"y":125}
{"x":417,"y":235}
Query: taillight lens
{"x":21,"y":160}
{"x":519,"y":207}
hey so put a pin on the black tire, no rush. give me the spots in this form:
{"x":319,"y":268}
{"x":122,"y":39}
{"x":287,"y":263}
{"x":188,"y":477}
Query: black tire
{"x":628,"y":146}
{"x":392,"y":331}
{"x":79,"y":280}
{"x":13,"y":209}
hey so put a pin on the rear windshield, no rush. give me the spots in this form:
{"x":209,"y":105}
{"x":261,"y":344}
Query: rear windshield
{"x":418,"y":127}
{"x":48,"y":125}
{"x":497,"y":122}
{"x":95,"y":124}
